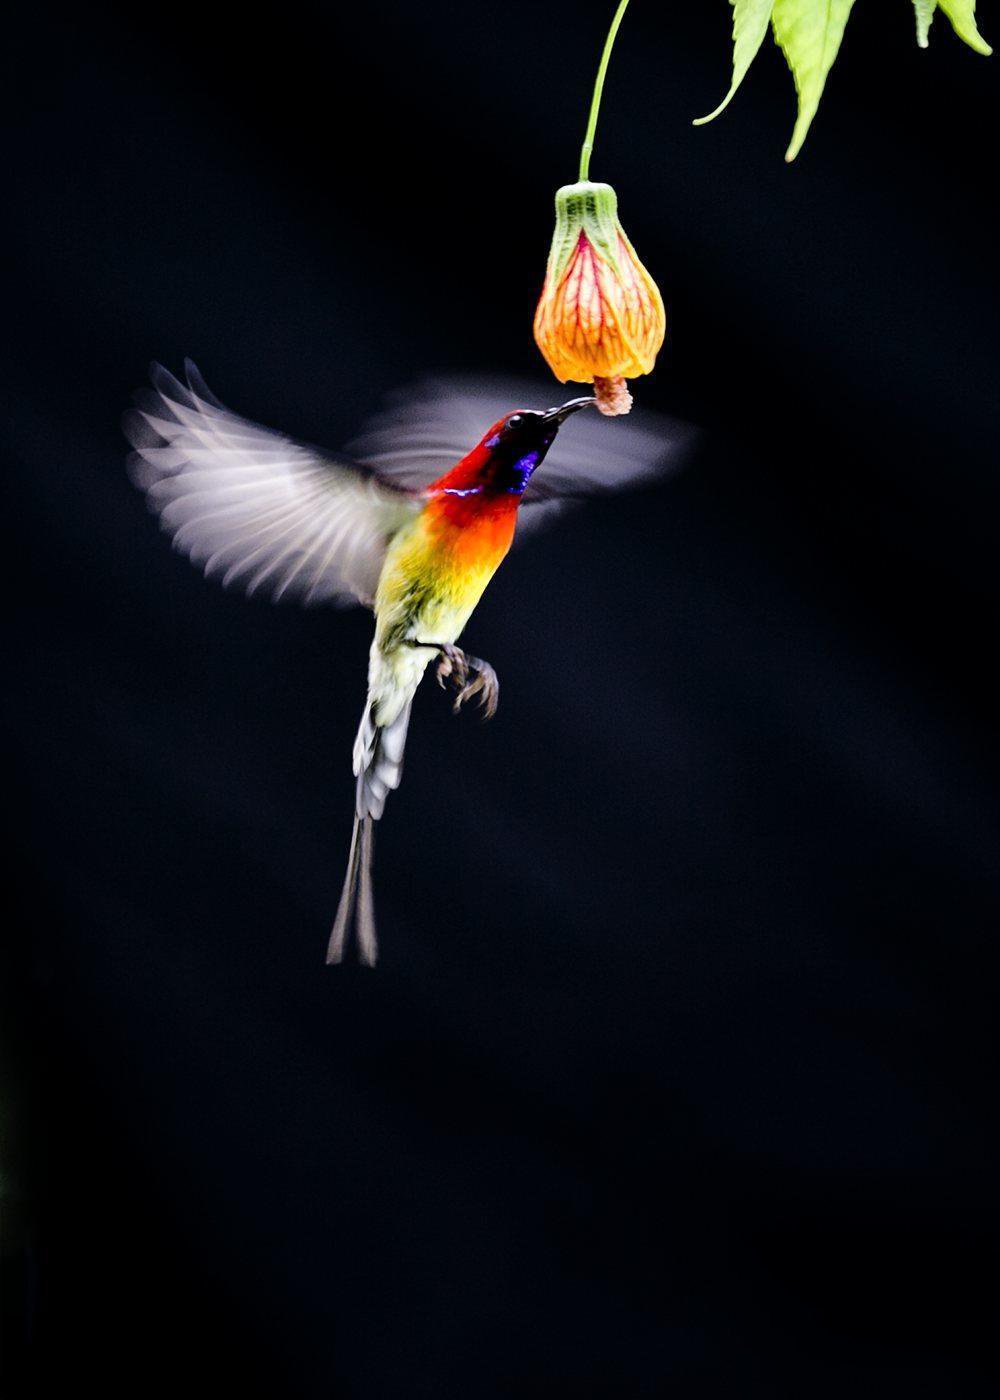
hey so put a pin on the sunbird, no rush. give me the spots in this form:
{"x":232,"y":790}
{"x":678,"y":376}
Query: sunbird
{"x":410,"y":522}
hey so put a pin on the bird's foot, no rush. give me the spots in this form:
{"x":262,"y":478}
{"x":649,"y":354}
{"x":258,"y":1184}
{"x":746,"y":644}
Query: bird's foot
{"x":470,"y":676}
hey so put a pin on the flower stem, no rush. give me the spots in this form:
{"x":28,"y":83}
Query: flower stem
{"x":595,"y":102}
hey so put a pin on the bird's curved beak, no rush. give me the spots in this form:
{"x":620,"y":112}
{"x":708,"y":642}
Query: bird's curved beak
{"x":560,"y":414}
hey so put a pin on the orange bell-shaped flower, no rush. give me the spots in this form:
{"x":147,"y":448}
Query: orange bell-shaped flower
{"x":600,"y":319}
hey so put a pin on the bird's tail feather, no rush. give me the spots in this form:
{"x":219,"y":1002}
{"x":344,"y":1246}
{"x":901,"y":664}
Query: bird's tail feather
{"x":378,"y":766}
{"x":357,"y":905}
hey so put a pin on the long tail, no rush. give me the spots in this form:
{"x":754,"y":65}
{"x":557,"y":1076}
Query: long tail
{"x":378,"y":766}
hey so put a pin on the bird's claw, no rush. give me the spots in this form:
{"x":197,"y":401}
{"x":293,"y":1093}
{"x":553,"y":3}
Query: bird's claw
{"x":484,"y":684}
{"x":453,"y":666}
{"x":472,"y":677}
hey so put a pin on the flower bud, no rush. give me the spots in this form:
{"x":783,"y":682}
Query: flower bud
{"x":600,"y":318}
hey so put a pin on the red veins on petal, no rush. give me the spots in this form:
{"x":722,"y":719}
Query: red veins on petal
{"x":600,"y":320}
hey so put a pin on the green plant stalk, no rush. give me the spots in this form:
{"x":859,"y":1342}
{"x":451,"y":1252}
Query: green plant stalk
{"x":595,"y":102}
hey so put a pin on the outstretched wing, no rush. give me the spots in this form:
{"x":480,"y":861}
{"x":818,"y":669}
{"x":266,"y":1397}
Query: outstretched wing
{"x":426,"y":428}
{"x":257,"y":509}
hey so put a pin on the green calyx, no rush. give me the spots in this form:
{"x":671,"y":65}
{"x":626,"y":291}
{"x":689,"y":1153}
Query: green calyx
{"x":589,"y":208}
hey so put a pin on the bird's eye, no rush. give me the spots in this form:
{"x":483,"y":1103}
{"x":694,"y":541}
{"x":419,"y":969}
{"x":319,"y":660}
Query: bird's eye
{"x":514,"y":419}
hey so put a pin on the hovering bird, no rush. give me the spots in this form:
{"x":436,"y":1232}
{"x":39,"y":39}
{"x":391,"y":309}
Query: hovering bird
{"x":413,"y":523}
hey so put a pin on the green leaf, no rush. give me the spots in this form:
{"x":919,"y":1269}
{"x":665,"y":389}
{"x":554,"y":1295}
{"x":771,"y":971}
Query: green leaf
{"x":962,"y":14}
{"x":750,"y":20}
{"x":809,"y":34}
{"x":925,"y":13}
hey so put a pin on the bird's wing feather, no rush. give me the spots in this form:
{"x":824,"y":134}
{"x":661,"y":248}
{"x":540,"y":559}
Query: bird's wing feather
{"x":257,"y":509}
{"x":425,"y":429}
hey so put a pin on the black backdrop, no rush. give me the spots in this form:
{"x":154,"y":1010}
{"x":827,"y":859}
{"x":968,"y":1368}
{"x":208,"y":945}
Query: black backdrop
{"x":674,"y":1076}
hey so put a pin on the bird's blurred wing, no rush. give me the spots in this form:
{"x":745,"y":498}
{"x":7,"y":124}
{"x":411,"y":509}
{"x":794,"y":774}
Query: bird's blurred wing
{"x":426,"y":428}
{"x":597,"y":456}
{"x":423,"y":429}
{"x":254,"y":508}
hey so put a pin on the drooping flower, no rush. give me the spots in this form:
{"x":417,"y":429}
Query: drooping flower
{"x":600,"y":318}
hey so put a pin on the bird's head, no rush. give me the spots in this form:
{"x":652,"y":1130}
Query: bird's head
{"x":514,"y":447}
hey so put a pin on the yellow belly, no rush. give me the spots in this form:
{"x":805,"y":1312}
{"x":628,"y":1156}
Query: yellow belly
{"x":430,"y":584}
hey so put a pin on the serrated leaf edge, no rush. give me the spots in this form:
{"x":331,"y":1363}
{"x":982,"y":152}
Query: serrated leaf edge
{"x":962,"y":17}
{"x":805,"y":117}
{"x":745,"y":13}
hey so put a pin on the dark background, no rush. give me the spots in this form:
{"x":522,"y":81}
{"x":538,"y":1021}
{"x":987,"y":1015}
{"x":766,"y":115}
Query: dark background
{"x":674,"y":1076}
